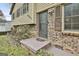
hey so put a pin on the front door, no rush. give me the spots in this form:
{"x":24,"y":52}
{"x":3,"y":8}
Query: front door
{"x":43,"y":24}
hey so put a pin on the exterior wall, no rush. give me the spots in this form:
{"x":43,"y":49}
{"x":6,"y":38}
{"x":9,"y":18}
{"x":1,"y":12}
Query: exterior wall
{"x":40,"y":7}
{"x":27,"y":18}
{"x":44,"y":6}
{"x":67,"y":41}
{"x":33,"y":10}
{"x":51,"y":24}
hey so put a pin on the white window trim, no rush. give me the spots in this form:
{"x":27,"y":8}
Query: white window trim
{"x":62,"y":18}
{"x":63,"y":30}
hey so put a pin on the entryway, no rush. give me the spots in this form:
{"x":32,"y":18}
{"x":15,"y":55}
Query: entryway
{"x":43,"y":24}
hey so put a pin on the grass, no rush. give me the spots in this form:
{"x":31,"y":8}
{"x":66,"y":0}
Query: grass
{"x":11,"y":50}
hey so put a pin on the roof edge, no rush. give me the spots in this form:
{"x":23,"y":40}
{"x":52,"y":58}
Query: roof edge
{"x":12,"y":7}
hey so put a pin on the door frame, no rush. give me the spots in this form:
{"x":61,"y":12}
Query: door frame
{"x":38,"y":22}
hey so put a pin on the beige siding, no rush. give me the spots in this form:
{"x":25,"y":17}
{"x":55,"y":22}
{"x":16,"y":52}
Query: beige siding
{"x":33,"y":9}
{"x":27,"y":18}
{"x":44,"y":6}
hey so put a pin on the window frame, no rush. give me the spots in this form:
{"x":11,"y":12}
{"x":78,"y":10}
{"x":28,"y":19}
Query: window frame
{"x":25,"y":8}
{"x":63,"y":24}
{"x":18,"y":12}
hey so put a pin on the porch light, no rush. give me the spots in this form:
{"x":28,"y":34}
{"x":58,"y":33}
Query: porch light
{"x":51,"y":12}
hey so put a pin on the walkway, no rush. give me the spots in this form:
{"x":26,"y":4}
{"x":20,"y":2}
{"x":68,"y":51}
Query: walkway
{"x":59,"y":52}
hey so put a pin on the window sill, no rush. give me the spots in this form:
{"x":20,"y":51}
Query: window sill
{"x":70,"y":33}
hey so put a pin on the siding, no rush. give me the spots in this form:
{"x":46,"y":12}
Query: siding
{"x":27,"y":18}
{"x":44,"y":6}
{"x":33,"y":9}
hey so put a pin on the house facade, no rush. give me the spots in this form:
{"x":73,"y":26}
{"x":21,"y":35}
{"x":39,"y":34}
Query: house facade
{"x":57,"y":22}
{"x":23,"y":14}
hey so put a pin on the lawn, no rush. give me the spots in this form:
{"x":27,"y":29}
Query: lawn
{"x":12,"y":50}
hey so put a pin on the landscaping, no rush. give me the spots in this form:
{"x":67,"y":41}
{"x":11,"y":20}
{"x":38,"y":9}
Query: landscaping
{"x":7,"y":49}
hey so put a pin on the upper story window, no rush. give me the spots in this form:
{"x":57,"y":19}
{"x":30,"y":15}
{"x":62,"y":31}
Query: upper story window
{"x":25,"y":7}
{"x":18,"y":12}
{"x":22,"y":10}
{"x":71,"y":16}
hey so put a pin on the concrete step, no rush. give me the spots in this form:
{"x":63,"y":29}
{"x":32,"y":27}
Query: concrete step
{"x":33,"y":44}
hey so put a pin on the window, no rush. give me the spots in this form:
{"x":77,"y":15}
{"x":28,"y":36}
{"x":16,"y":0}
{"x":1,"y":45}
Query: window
{"x":57,"y":11}
{"x":25,"y":7}
{"x":12,"y":16}
{"x":18,"y":12}
{"x":21,"y":10}
{"x":71,"y":16}
{"x":58,"y":18}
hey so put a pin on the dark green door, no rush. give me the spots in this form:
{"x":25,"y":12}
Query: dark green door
{"x":43,"y":24}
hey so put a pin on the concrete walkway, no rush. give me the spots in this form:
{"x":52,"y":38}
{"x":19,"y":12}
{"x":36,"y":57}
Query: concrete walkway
{"x":59,"y":52}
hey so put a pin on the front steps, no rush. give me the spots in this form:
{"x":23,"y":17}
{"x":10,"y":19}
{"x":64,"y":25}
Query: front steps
{"x":33,"y":45}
